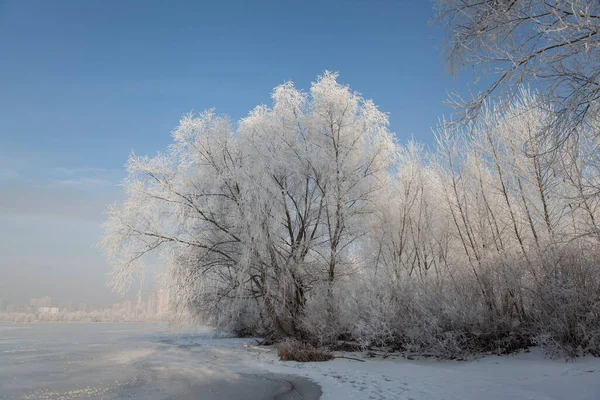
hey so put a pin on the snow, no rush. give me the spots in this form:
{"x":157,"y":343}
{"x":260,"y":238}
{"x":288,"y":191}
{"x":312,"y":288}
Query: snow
{"x":524,"y":376}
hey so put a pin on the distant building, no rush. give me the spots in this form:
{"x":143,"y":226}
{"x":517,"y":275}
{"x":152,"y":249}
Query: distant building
{"x":45,"y":301}
{"x":151,"y":303}
{"x":127,"y":306}
{"x":70,"y":306}
{"x":49,"y":310}
{"x":162,"y":305}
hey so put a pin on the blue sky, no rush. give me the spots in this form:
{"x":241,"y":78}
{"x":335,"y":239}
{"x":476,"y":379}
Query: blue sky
{"x":84,"y":83}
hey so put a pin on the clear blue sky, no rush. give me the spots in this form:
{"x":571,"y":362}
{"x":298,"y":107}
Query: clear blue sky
{"x":85,"y":82}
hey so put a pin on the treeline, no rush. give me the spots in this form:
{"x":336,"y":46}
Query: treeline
{"x":308,"y":220}
{"x":80,"y":316}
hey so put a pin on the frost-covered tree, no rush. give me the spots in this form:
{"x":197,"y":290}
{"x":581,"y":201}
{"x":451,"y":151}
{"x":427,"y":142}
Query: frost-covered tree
{"x":307,"y":220}
{"x":553,"y":45}
{"x":253,"y":221}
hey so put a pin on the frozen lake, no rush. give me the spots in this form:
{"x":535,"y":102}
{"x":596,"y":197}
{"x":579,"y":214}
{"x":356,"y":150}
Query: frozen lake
{"x":144,"y":361}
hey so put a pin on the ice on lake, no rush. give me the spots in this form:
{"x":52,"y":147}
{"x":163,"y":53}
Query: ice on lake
{"x":145,"y":361}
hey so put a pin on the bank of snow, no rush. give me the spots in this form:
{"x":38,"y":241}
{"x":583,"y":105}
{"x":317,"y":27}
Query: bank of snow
{"x":524,"y":376}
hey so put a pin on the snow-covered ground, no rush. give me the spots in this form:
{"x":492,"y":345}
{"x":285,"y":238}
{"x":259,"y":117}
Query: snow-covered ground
{"x":525,"y":376}
{"x":115,"y":361}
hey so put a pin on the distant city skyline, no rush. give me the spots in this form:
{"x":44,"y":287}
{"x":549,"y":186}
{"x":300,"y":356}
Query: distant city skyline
{"x":152,"y":302}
